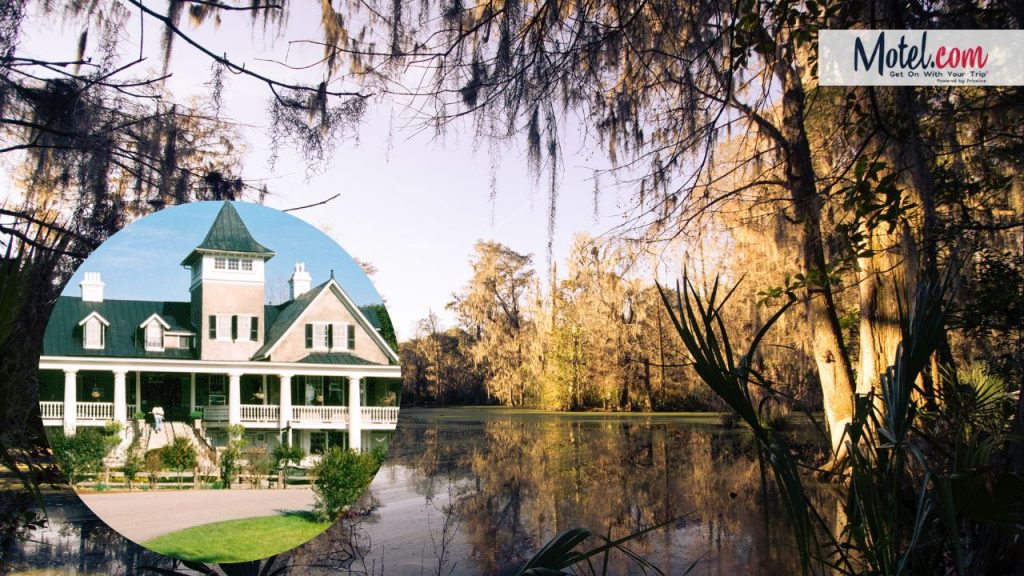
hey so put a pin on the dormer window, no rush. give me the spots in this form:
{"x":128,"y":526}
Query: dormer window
{"x":153,"y":333}
{"x":94,"y":331}
{"x":154,"y":337}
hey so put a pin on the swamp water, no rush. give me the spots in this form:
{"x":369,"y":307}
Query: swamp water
{"x":476,"y":490}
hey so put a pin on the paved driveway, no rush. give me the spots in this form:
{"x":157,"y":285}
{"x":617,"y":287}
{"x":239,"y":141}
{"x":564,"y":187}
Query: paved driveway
{"x":140,"y":516}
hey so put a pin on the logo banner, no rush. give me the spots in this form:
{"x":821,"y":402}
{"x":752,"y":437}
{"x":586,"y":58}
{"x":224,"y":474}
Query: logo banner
{"x":921,"y":58}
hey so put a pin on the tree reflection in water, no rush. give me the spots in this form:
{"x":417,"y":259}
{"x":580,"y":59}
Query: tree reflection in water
{"x":477,"y":491}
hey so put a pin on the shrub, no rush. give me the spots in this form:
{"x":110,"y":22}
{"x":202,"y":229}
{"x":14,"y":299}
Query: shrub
{"x":179,"y":456}
{"x":153,"y":464}
{"x":139,"y":415}
{"x":195,"y":415}
{"x":80,"y":454}
{"x":232,"y":453}
{"x":132,"y":467}
{"x":259,"y":465}
{"x":341,"y":476}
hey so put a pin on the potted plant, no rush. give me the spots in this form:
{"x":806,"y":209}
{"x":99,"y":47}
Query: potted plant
{"x":197,"y":418}
{"x":139,"y":418}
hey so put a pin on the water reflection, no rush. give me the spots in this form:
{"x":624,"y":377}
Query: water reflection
{"x":509,"y":481}
{"x":476,"y":491}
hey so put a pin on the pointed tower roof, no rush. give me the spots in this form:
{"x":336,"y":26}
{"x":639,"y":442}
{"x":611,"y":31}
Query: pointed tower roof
{"x":229,"y":234}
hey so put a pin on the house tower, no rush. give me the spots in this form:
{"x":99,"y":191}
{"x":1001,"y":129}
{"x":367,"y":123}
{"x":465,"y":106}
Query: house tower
{"x":228,"y":289}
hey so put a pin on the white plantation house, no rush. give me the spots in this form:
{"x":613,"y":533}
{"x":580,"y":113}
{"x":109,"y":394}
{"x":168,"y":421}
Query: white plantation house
{"x":312,"y":371}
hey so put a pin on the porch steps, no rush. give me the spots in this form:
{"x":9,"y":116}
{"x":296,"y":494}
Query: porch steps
{"x":172,"y":430}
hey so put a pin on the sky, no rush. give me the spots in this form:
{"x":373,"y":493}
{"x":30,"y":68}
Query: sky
{"x":411,"y":203}
{"x":143,"y":260}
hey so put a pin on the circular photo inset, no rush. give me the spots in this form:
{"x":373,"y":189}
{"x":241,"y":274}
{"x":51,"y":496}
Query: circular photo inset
{"x":219,"y":382}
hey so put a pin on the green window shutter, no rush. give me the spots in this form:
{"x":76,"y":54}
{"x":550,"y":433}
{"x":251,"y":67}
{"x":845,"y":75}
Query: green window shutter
{"x":213,"y":327}
{"x":254,"y":329}
{"x":330,"y":336}
{"x":234,"y":327}
{"x":351,"y":336}
{"x":309,"y":335}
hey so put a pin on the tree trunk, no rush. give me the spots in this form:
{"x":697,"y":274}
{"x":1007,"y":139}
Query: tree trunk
{"x":834,"y":372}
{"x":879,"y":277}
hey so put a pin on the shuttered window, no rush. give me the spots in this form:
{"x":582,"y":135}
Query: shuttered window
{"x":224,"y":327}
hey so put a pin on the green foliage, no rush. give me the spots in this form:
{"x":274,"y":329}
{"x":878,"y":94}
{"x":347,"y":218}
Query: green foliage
{"x":139,"y":415}
{"x":78,"y":455}
{"x":288,"y":454}
{"x":387,"y":329}
{"x":153,"y":463}
{"x":195,"y":415}
{"x":179,"y":456}
{"x":914,"y":478}
{"x":259,"y":464}
{"x":341,"y":477}
{"x":133,"y":464}
{"x":232,"y":453}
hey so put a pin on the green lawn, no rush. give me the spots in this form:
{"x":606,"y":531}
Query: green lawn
{"x":239,"y":540}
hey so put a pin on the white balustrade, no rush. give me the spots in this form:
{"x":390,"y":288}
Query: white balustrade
{"x":313,"y":414}
{"x":95,"y":411}
{"x":380,"y":414}
{"x":259,"y":412}
{"x":52,"y":410}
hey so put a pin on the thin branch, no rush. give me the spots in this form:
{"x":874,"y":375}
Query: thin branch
{"x":321,"y":203}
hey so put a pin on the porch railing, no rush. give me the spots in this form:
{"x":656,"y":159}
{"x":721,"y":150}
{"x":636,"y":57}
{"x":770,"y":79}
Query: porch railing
{"x":52,"y":410}
{"x":95,"y":411}
{"x":309,"y":414}
{"x":259,"y":412}
{"x":380,"y":414}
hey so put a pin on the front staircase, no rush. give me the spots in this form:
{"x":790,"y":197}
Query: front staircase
{"x":171,"y":430}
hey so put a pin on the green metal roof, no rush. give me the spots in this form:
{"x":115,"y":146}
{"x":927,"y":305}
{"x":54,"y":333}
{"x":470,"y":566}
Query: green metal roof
{"x":229,"y":234}
{"x":335,"y":358}
{"x":123,"y":338}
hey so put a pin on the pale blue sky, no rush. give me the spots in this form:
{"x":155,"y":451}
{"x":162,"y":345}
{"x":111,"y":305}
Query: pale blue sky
{"x":412,"y":203}
{"x":142,"y":261}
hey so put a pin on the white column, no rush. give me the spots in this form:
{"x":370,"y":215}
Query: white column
{"x":191,"y":393}
{"x":355,"y":415}
{"x":285,"y":403}
{"x":234,"y":398}
{"x":120,"y":397}
{"x":138,"y":391}
{"x":70,"y":401}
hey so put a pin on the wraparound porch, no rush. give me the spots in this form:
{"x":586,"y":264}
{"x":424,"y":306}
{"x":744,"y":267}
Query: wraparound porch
{"x":94,"y":391}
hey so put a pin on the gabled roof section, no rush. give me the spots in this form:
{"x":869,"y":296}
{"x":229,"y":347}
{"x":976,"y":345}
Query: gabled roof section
{"x":96,"y":315}
{"x":155,"y":317}
{"x":63,"y":335}
{"x":229,"y":234}
{"x":291,"y":312}
{"x":287,"y":314}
